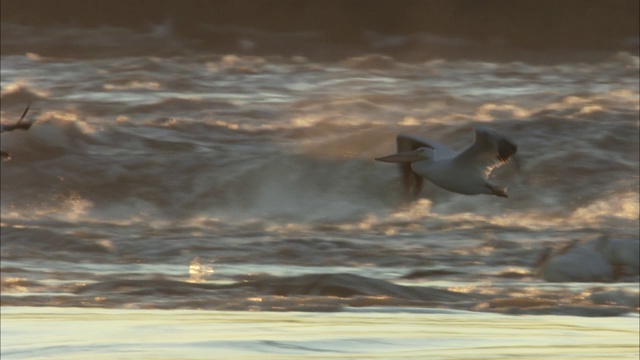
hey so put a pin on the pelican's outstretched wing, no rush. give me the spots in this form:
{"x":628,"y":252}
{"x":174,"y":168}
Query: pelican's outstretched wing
{"x":489,"y":151}
{"x":413,"y":183}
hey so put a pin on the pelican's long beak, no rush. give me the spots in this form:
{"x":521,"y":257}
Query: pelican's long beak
{"x":403,"y":157}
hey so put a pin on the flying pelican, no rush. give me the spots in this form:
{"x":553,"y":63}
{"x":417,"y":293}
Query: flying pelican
{"x":19,"y":125}
{"x":465,"y":172}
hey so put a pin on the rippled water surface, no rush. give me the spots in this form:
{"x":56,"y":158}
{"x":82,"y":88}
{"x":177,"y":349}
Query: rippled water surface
{"x":242,"y":184}
{"x":390,"y":334}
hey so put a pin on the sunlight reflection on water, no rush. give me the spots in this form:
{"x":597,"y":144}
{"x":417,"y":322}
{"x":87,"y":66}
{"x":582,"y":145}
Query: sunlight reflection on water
{"x":405,"y":334}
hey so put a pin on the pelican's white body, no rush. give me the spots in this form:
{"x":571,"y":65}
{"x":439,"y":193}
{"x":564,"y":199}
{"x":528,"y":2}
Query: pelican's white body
{"x":447,"y":175}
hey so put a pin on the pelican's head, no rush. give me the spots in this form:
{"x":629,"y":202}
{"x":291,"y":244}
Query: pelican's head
{"x":419,"y":154}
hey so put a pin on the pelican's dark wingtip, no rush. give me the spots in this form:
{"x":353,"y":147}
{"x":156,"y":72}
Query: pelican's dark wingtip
{"x":506,"y":149}
{"x":25,"y":112}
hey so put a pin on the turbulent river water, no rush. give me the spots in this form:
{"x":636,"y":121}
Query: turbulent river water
{"x":234,"y":182}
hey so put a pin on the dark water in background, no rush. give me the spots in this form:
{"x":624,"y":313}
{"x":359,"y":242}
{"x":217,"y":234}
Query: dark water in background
{"x":334,"y":29}
{"x":219,"y":156}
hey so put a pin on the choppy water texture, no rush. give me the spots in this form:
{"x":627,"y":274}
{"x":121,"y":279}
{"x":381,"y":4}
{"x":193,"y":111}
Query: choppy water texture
{"x":240,"y":181}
